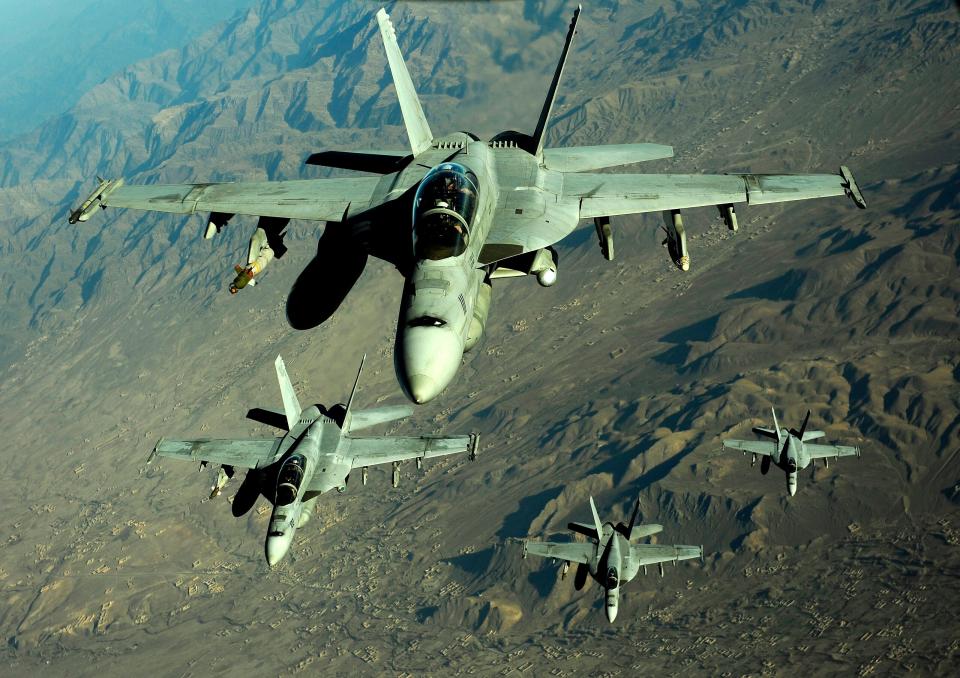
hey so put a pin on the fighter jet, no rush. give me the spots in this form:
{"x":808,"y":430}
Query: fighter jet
{"x":609,"y":556}
{"x":315,"y":455}
{"x":455,"y":212}
{"x":790,"y":451}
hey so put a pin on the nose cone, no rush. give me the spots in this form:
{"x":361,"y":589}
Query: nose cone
{"x":428,"y":360}
{"x":792,"y":484}
{"x":422,"y":388}
{"x":276,"y":548}
{"x":612,"y":608}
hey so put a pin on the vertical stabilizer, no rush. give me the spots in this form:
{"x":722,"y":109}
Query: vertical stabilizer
{"x":776,"y":428}
{"x":596,"y":519}
{"x":413,"y":118}
{"x":538,"y":135}
{"x":803,"y":428}
{"x":348,"y":416}
{"x":633,"y":519}
{"x":291,"y":406}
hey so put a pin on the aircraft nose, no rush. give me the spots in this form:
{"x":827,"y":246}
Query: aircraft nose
{"x":277,"y":547}
{"x":612,"y":609}
{"x":423,"y":388}
{"x":429,"y":358}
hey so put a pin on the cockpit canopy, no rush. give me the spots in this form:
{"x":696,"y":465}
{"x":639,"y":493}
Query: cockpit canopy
{"x":613,"y":578}
{"x":289,"y":479}
{"x":443,"y":210}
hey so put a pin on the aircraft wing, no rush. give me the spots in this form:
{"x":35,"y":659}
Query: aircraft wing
{"x":754,"y":446}
{"x":311,"y":199}
{"x":531,"y":218}
{"x":384,"y":450}
{"x":249,"y":453}
{"x":830,"y":451}
{"x":614,"y":194}
{"x":574,"y":552}
{"x":651,"y":554}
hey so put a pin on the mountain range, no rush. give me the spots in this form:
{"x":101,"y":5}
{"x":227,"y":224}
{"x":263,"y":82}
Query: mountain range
{"x":618,"y":382}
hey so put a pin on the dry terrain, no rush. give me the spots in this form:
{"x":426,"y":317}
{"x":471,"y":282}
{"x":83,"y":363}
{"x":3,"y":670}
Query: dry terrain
{"x":619,"y":381}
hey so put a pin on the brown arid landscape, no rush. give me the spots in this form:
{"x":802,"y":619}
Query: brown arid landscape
{"x":620,"y":381}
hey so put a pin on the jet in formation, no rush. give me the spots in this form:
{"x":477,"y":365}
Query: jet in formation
{"x":789,"y":449}
{"x":455,"y":212}
{"x":316,"y":454}
{"x":610,"y":556}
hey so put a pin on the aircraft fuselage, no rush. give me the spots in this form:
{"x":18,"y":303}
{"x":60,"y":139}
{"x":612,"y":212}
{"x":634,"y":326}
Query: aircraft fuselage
{"x":310,"y":466}
{"x":792,"y":458}
{"x":446,"y":299}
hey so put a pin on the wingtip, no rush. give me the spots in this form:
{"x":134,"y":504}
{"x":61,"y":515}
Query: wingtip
{"x":153,"y":452}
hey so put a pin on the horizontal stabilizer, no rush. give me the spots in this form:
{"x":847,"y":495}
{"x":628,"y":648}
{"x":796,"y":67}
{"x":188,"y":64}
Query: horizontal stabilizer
{"x":766,"y":432}
{"x":581,"y":528}
{"x":379,"y":415}
{"x":586,"y":158}
{"x":377,"y":162}
{"x":645,"y":530}
{"x":812,"y":435}
{"x":268,"y":417}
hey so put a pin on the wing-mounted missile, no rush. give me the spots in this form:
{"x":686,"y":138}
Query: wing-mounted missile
{"x":95,"y":200}
{"x":605,"y":236}
{"x":564,"y":570}
{"x":850,"y":187}
{"x":729,"y":216}
{"x":676,"y":240}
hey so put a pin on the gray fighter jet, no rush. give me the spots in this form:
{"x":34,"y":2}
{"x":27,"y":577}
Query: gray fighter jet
{"x":456,"y":212}
{"x":315,"y":455}
{"x":789,"y":449}
{"x":609,"y":556}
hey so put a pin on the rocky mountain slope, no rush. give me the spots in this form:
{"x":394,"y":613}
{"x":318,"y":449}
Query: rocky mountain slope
{"x":619,"y":381}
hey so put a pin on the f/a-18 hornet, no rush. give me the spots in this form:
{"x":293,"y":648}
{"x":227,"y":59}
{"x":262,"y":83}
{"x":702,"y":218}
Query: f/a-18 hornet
{"x":315,"y":455}
{"x":789,"y":449}
{"x":610,"y":557}
{"x":456,"y":212}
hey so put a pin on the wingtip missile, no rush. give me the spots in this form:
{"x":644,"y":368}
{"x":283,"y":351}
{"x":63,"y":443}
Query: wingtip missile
{"x":851,"y":188}
{"x":104,"y":188}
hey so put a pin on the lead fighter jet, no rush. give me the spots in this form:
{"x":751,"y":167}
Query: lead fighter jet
{"x":455,"y":212}
{"x":610,"y":557}
{"x":315,"y":455}
{"x":789,"y":449}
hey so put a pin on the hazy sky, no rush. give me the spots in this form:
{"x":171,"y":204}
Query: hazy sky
{"x":52,"y":51}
